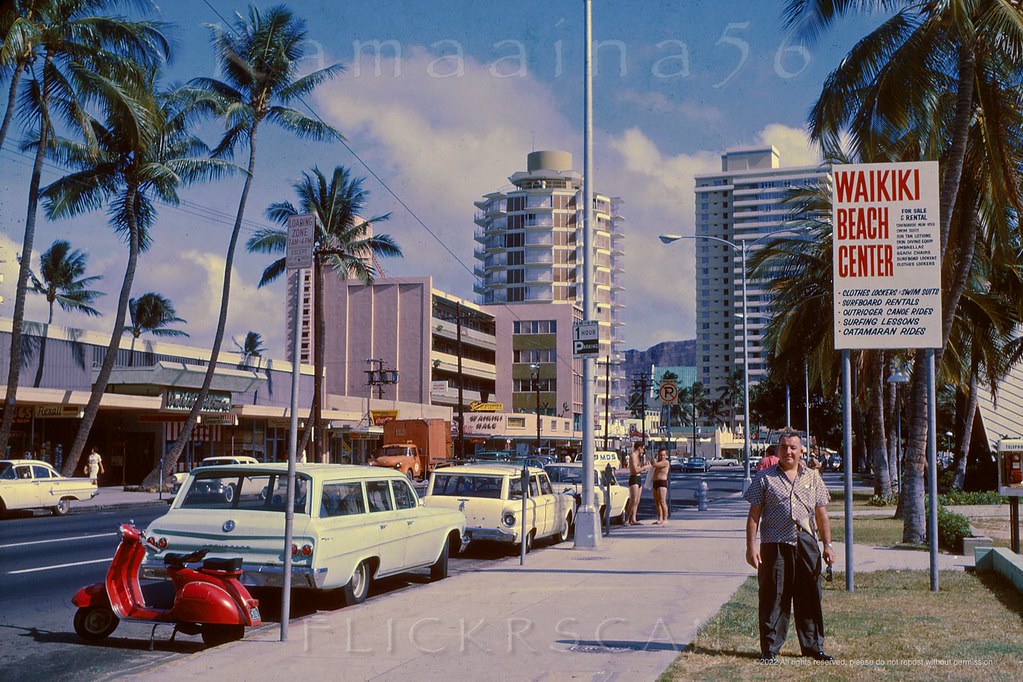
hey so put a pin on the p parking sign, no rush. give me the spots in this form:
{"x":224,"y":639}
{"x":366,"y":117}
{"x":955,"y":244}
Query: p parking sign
{"x":585,"y":339}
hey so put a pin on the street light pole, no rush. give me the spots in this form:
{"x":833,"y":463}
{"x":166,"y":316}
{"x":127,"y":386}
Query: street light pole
{"x":741,"y":247}
{"x":536,"y":387}
{"x":895,"y":379}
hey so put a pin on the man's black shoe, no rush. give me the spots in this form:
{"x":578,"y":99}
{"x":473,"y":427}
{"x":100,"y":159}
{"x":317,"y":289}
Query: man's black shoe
{"x":819,"y":656}
{"x":768,"y":658}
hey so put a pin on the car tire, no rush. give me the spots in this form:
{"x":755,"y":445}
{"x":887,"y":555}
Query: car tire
{"x":228,"y":496}
{"x":565,"y":532}
{"x":215,"y":634}
{"x":62,"y":507}
{"x":409,"y":474}
{"x":357,"y":589}
{"x":439,"y":569}
{"x":529,"y":541}
{"x":94,"y":623}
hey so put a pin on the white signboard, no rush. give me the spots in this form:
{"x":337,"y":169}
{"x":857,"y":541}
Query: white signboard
{"x":301,"y":241}
{"x":887,"y":255}
{"x":586,"y":339}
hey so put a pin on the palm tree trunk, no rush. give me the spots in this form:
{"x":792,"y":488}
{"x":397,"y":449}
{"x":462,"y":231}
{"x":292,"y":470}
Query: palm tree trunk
{"x":99,"y":387}
{"x":875,"y":433}
{"x":967,"y":432}
{"x":891,"y":423}
{"x":316,"y":414}
{"x":14,"y":370}
{"x":12,"y":98}
{"x":42,"y":348}
{"x":172,"y":457}
{"x":914,"y":519}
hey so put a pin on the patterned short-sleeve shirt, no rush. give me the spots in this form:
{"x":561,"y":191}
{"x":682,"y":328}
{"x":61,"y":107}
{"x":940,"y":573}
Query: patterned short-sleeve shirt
{"x":784,"y":503}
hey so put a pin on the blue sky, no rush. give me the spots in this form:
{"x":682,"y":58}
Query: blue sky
{"x":461,"y":92}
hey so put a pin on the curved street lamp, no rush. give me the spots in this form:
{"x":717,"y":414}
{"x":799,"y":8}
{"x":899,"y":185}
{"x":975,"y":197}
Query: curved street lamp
{"x":742,"y":247}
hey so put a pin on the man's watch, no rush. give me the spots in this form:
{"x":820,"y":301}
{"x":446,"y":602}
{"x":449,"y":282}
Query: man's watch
{"x":827,"y":544}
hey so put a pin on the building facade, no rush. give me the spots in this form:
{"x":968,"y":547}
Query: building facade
{"x":742,"y":203}
{"x":530,"y":251}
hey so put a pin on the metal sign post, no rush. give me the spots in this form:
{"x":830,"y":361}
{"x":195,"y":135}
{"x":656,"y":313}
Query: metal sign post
{"x":301,"y":239}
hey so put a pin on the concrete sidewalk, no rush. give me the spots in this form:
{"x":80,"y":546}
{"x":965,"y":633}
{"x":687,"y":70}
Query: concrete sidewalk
{"x":115,"y":496}
{"x":623,"y":612}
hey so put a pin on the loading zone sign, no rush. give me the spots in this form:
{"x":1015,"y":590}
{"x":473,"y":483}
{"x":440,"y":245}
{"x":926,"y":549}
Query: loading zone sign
{"x":585,"y":339}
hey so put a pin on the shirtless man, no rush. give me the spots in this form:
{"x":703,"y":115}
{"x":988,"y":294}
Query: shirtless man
{"x":662,"y":467}
{"x":636,"y":469}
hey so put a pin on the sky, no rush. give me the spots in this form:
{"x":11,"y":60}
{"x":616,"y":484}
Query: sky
{"x":440,"y":102}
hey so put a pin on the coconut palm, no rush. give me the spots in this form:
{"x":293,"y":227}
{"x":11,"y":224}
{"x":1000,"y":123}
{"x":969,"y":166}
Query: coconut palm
{"x":145,"y":153}
{"x":250,"y":347}
{"x":931,"y":72}
{"x":60,"y":280}
{"x":259,"y":57}
{"x":153,"y":314}
{"x":74,"y":59}
{"x":345,"y":242}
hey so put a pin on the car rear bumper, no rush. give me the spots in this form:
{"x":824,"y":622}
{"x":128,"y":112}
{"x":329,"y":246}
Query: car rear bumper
{"x":257,"y":575}
{"x":490,"y":535}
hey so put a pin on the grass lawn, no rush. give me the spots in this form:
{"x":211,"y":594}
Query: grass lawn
{"x":892,"y":627}
{"x":879,"y":531}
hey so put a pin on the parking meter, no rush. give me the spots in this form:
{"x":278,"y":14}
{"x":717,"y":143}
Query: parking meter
{"x":524,"y":481}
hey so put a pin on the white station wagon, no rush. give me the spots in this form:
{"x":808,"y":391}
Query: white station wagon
{"x":490,"y":495}
{"x":352,"y":524}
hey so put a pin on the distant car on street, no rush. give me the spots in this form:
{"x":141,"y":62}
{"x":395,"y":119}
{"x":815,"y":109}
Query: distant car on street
{"x":723,"y":462}
{"x":31,"y":483}
{"x":696,"y":464}
{"x":568,"y":477}
{"x":217,"y":460}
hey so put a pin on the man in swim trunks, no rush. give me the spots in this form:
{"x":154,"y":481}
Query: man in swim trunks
{"x":662,"y":468}
{"x":636,"y":469}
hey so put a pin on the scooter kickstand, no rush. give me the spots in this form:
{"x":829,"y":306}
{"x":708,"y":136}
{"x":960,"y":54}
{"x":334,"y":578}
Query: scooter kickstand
{"x":152,"y":636}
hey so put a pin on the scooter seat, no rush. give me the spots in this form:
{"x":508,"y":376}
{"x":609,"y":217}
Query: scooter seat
{"x":229,"y":565}
{"x":179,"y":560}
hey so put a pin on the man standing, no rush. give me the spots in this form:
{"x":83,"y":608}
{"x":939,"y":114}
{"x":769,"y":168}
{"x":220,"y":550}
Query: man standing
{"x":788,"y":504}
{"x":636,"y":469}
{"x":662,"y":469}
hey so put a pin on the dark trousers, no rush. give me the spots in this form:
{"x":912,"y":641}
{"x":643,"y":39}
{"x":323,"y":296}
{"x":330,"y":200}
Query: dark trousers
{"x":788,"y":580}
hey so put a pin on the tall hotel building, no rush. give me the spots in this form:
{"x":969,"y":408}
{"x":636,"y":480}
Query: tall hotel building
{"x":741,"y":203}
{"x":529,"y":251}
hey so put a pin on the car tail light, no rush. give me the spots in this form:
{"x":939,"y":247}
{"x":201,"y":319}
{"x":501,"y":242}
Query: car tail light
{"x":162,"y":543}
{"x":305,"y":550}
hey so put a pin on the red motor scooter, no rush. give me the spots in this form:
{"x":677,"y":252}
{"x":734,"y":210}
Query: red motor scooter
{"x":210,"y":601}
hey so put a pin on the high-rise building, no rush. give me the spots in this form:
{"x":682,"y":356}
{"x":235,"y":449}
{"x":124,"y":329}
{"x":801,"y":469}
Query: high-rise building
{"x":741,"y":203}
{"x":529,"y":250}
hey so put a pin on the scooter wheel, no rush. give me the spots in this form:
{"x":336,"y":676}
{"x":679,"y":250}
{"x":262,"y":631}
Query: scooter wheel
{"x":93,"y":623}
{"x":216,"y":634}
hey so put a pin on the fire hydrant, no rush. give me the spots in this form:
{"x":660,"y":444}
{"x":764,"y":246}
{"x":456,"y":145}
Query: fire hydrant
{"x":701,"y":496}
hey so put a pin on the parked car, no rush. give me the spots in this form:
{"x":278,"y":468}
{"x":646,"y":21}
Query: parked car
{"x":696,"y":463}
{"x":219,"y":460}
{"x":678,"y":462}
{"x":490,"y":495}
{"x":568,"y":477}
{"x":352,"y":525}
{"x":31,"y":483}
{"x":723,"y":462}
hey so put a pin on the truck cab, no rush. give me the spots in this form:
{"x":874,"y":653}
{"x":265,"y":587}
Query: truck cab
{"x":403,"y":457}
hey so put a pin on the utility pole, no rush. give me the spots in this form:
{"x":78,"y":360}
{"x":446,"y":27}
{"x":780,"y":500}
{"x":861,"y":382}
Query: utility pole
{"x":640,"y":384}
{"x":536,"y":387}
{"x":461,"y":405}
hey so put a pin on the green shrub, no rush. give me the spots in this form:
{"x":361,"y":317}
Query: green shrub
{"x":882,"y":501}
{"x":973,"y":497}
{"x":952,"y":528}
{"x":945,"y":480}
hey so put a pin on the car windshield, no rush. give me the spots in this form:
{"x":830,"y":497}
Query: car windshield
{"x":7,"y":471}
{"x":467,"y":485}
{"x":393,"y":451}
{"x":254,"y":492}
{"x":571,"y":475}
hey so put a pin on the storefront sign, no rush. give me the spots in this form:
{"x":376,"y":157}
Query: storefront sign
{"x":184,"y":398}
{"x":479,"y":406}
{"x":484,"y":423}
{"x":381,"y":417}
{"x":58,"y":411}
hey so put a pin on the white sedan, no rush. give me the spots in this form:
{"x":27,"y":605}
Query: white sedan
{"x":490,"y":495}
{"x":723,"y":462}
{"x":352,"y":525}
{"x":30,"y":483}
{"x":568,"y":477}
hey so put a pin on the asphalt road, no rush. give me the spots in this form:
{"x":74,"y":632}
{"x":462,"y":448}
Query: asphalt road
{"x":44,"y":560}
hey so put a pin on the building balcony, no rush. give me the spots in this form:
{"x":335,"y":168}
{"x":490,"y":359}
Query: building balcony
{"x":446,"y":362}
{"x":449,"y":330}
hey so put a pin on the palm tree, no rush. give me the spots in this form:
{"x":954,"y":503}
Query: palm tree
{"x":345,"y":241}
{"x":151,"y":313}
{"x":144,"y":154}
{"x":930,"y":73}
{"x":60,"y":280}
{"x":260,"y":57}
{"x":74,"y":58}
{"x":250,"y":347}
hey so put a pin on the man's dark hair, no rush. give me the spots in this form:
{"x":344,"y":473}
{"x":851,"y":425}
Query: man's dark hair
{"x":789,"y":434}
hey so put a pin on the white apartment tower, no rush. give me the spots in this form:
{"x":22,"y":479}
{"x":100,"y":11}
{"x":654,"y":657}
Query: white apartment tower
{"x":741,"y":203}
{"x":529,"y":250}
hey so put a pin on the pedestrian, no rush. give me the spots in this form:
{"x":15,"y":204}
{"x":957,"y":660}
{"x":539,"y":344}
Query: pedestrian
{"x":768,"y":460}
{"x":27,"y":455}
{"x":636,"y":469}
{"x":788,"y":506}
{"x":662,"y":468}
{"x":95,"y":464}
